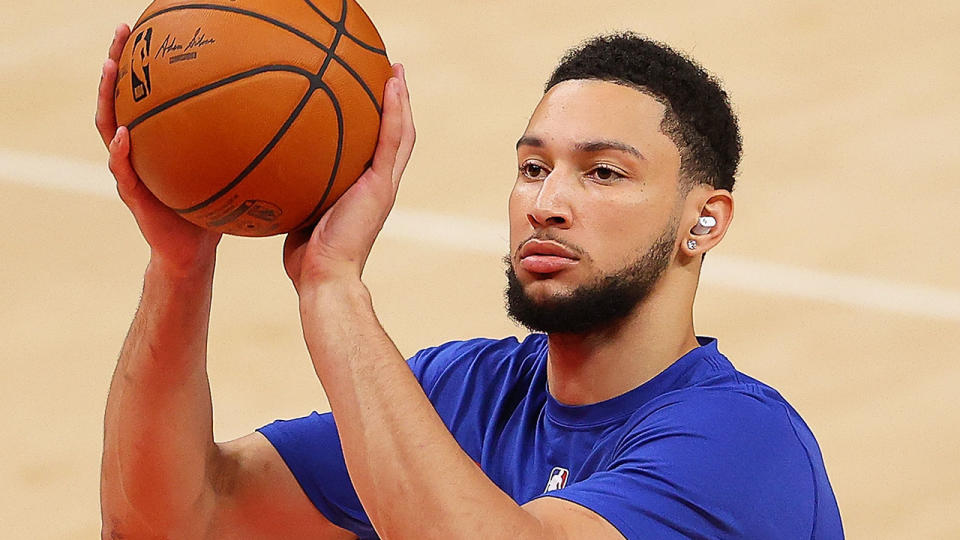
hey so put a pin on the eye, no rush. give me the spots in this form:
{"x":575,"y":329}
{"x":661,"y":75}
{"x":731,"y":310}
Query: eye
{"x":533,"y":170}
{"x":606,"y":173}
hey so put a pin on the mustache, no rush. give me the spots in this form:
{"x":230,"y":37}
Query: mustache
{"x":549,"y":236}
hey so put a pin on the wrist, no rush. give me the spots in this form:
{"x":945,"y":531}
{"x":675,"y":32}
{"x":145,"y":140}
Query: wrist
{"x":340,"y":294}
{"x":187,"y":256}
{"x":337,"y":317}
{"x":200,"y":272}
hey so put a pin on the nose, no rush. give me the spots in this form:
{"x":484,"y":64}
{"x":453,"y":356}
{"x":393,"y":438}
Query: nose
{"x":551,"y":208}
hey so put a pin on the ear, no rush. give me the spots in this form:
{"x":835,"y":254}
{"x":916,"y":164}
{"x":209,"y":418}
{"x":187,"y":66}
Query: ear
{"x":704,"y":201}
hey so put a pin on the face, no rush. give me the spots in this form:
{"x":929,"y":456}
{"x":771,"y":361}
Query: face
{"x":594,"y":211}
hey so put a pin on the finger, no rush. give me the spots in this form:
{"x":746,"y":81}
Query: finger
{"x":121,"y":167}
{"x":408,"y":131}
{"x":106,"y":117}
{"x":391,"y":125}
{"x":120,"y":37}
{"x":402,"y":75}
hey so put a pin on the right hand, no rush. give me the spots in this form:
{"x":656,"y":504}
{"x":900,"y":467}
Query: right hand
{"x":174,"y":242}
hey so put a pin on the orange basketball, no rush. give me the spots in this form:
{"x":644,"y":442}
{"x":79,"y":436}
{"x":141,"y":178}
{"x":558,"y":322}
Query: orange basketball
{"x":251,"y":117}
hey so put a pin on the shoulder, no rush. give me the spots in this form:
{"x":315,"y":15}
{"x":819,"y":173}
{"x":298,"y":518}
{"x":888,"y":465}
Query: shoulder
{"x":739,"y":416}
{"x":711,"y":397}
{"x":722,"y":460}
{"x":733,"y":442}
{"x":480,"y":359}
{"x":719,"y":398}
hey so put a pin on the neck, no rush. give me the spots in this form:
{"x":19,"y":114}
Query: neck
{"x":589,"y":368}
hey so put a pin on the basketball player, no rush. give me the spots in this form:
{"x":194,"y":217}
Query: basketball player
{"x":612,"y":420}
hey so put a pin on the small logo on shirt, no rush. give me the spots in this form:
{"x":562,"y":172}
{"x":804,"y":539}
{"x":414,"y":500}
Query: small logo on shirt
{"x":558,"y":479}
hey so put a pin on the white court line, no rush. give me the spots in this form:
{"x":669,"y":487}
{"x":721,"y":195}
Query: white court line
{"x":490,"y":237}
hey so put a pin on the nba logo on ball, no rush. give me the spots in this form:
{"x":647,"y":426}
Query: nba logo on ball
{"x":140,"y":78}
{"x":558,"y":479}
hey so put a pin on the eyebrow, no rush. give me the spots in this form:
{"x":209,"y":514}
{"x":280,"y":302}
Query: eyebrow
{"x":588,"y":146}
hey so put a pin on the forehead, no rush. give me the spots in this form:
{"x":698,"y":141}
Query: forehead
{"x":582,"y":110}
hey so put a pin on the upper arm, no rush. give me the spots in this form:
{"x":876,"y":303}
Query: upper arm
{"x":561,"y":520}
{"x":256,"y":496}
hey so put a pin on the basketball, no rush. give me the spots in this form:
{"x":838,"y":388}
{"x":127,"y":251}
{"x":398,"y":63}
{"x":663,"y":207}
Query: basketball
{"x":251,"y":117}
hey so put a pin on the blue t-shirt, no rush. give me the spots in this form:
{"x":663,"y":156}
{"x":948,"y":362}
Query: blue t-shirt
{"x":699,"y":451}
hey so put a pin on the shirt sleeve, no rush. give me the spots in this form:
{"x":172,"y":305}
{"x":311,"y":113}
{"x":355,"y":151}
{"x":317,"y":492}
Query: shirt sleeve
{"x":714,"y":465}
{"x":310,"y":446}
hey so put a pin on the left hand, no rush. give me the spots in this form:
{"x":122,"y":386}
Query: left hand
{"x":340,"y":243}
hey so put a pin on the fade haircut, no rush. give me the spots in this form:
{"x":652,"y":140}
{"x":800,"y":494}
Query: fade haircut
{"x":698,"y":117}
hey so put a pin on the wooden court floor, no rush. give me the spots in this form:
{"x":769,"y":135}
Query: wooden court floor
{"x":839,"y":283}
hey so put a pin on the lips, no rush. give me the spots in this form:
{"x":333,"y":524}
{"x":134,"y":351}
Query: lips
{"x":546,"y":257}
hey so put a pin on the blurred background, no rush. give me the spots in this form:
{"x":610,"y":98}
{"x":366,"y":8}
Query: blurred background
{"x":838,"y":283}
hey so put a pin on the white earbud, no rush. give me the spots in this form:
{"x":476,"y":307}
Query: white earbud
{"x":704,"y":225}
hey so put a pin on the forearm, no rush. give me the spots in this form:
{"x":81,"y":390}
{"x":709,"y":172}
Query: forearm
{"x":412,"y":477}
{"x":158,"y":432}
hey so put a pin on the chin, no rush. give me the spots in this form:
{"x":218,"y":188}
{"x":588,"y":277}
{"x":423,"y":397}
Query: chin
{"x":543,"y":288}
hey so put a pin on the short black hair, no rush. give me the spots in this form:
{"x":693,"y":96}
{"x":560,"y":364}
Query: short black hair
{"x":698,"y":118}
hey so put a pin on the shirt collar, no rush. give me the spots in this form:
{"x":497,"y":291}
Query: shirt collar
{"x":680,"y":374}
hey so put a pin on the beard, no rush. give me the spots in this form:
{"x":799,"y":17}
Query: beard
{"x":593,"y":306}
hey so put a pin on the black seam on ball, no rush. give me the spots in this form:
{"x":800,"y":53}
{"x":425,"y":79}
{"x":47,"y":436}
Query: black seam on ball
{"x":343,"y":24}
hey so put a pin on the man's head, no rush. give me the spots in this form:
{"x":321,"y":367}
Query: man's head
{"x":630,"y":145}
{"x":698,"y":117}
